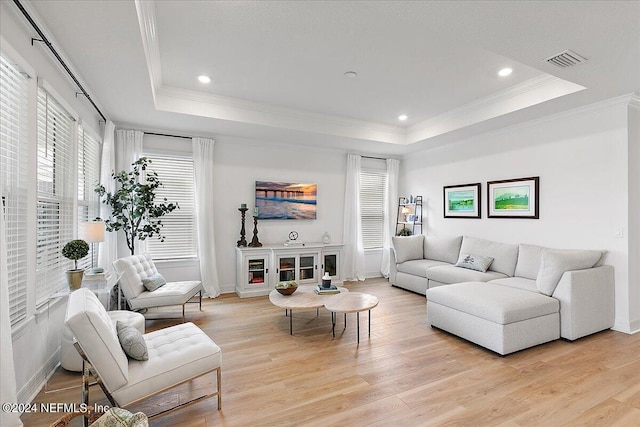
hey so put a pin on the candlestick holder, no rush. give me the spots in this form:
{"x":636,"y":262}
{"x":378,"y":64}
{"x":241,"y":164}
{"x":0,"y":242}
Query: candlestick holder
{"x":255,"y":243}
{"x":242,"y":241}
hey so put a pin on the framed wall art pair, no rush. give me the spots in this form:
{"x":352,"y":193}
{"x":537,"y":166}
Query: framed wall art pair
{"x":509,"y":198}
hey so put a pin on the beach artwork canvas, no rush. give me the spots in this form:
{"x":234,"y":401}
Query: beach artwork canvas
{"x":286,"y":200}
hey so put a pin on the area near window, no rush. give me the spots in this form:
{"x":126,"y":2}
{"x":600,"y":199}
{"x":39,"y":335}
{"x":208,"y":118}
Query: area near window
{"x":372,"y":188}
{"x":176,"y":175}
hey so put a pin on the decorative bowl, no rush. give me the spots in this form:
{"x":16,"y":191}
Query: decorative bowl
{"x":287,"y":288}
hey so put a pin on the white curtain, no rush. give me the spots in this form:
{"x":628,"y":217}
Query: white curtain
{"x":353,"y":264}
{"x":128,"y":149}
{"x":203,"y":174}
{"x":8,"y":384}
{"x":107,"y":251}
{"x":390,"y":207}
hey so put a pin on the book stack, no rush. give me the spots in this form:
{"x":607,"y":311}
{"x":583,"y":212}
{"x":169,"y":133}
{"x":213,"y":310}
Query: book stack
{"x":326,"y":291}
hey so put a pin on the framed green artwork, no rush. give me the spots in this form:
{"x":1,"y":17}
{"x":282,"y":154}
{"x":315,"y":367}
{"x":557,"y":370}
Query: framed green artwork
{"x":462,"y":201}
{"x":514,"y":198}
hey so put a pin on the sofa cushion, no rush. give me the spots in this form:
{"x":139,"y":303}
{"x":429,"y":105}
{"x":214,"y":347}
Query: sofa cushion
{"x":452,"y":274}
{"x":499,"y":304}
{"x":504,"y":255}
{"x":175,"y":353}
{"x":555,"y":262}
{"x":169,"y":294}
{"x":408,"y":247}
{"x":529,"y":258}
{"x":474,"y":262}
{"x":93,"y":328}
{"x":517,"y":282}
{"x":418,"y":267}
{"x":442,"y":248}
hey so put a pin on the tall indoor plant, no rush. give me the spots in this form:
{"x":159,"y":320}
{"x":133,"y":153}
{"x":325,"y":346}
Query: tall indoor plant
{"x":134,"y":208}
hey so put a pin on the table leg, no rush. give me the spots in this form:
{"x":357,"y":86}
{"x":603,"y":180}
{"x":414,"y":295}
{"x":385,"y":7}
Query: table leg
{"x":290,"y":322}
{"x":369,"y":322}
{"x":333,"y":324}
{"x":358,"y":320}
{"x":345,"y":322}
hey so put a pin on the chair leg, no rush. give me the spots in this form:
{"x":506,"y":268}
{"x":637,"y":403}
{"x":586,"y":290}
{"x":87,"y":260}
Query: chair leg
{"x":219,"y":371}
{"x":200,"y":300}
{"x":183,"y":319}
{"x":85,"y":390}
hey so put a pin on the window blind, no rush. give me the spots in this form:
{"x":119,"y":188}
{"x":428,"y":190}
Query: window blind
{"x":56,"y":187}
{"x":176,"y":175}
{"x":88,"y":177}
{"x":372,"y":188}
{"x":13,"y":182}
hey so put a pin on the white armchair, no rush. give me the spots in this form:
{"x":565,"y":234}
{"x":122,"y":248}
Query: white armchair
{"x":135,"y":268}
{"x":176,"y":355}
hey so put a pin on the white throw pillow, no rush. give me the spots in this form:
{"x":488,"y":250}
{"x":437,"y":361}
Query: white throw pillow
{"x":474,"y":262}
{"x":408,"y":247}
{"x":555,"y":262}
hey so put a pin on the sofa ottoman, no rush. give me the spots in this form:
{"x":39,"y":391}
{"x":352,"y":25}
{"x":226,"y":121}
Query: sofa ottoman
{"x":500,"y":318}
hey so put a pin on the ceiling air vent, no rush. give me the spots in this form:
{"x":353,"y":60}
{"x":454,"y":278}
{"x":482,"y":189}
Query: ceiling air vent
{"x":566,"y":59}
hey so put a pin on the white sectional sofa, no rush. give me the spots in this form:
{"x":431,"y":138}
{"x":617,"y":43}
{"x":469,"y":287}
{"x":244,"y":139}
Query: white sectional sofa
{"x":529,"y":294}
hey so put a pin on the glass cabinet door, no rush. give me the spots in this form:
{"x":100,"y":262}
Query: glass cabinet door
{"x":307,"y":267}
{"x":287,"y":269}
{"x":257,"y":271}
{"x":331,"y":264}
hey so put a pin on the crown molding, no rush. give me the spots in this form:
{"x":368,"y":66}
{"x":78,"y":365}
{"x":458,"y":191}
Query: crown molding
{"x":526,"y":94}
{"x":634,"y":101}
{"x":185,"y":101}
{"x":146,"y":11}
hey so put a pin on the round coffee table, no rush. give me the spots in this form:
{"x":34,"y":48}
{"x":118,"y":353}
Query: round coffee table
{"x":304,"y":298}
{"x":352,"y":302}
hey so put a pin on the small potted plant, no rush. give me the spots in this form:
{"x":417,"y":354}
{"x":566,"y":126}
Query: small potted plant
{"x":404,"y":232}
{"x":75,"y":250}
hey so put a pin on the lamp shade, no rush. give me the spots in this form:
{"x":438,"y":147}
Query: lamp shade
{"x":93,"y":231}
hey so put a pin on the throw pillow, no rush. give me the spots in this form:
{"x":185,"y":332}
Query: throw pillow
{"x":132,"y":342}
{"x":474,"y":262}
{"x":154,"y":282}
{"x":555,"y":262}
{"x":408,"y":247}
{"x":118,"y":417}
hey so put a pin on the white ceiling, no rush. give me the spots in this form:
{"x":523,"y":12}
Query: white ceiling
{"x":277,"y":67}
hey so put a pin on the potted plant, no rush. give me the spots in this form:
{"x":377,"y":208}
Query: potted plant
{"x":404,"y":232}
{"x":134,"y":208}
{"x":75,"y":250}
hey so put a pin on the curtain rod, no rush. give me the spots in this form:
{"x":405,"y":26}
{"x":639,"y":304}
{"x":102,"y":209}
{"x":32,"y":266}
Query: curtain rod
{"x":371,"y":157}
{"x":166,"y":134}
{"x":46,"y":41}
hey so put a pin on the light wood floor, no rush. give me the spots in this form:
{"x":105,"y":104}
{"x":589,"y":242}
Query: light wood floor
{"x":406,"y":374}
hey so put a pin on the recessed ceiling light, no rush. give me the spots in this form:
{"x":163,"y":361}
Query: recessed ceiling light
{"x":350,"y":74}
{"x":204,"y":79}
{"x":403,"y":117}
{"x":505,"y":72}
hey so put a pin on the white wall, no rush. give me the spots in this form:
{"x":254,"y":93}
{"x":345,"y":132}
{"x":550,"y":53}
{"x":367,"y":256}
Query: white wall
{"x":581,"y":159}
{"x":634,"y":213}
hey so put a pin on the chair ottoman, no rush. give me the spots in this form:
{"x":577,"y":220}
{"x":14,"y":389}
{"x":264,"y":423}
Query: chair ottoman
{"x":500,"y":318}
{"x":71,"y":360}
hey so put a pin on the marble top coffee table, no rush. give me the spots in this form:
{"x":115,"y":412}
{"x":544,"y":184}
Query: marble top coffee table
{"x":353,"y":302}
{"x":304,"y":298}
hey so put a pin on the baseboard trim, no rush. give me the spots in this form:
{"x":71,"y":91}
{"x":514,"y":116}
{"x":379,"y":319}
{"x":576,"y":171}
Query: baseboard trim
{"x":39,"y":379}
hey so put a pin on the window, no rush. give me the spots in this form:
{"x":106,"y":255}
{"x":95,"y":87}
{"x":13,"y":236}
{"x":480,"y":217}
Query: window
{"x":56,"y":187}
{"x":176,"y":175}
{"x":88,"y":177}
{"x":13,"y":181}
{"x":373,"y":185}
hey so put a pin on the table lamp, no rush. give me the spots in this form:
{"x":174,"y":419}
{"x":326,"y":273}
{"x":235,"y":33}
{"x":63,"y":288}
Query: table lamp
{"x":93,"y":232}
{"x":405,"y":211}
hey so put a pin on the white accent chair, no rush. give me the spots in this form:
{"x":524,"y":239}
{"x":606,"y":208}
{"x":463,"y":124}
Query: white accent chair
{"x":133,"y":269}
{"x":177,"y":354}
